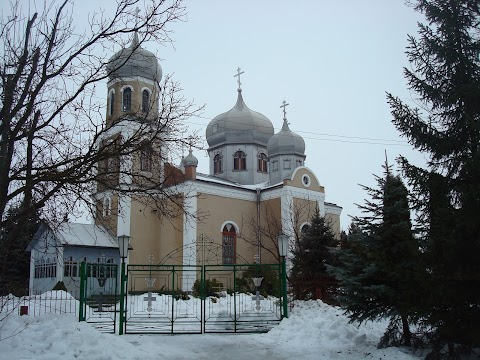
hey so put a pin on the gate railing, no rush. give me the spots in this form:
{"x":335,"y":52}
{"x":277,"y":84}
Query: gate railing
{"x":183,"y":299}
{"x":99,"y":296}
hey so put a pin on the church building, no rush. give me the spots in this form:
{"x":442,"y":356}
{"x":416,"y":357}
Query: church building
{"x":257,"y":185}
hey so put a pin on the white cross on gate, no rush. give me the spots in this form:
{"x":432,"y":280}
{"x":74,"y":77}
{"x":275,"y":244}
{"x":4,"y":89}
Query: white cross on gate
{"x":238,"y":80}
{"x":149,"y":300}
{"x":100,"y":302}
{"x":284,"y":105}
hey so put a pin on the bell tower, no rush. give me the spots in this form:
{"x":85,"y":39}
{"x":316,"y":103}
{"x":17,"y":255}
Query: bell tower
{"x":132,"y":103}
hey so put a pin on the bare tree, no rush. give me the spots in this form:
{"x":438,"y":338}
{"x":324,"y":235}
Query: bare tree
{"x":262,"y":228}
{"x":53,"y":140}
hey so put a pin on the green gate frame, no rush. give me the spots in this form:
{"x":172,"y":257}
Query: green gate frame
{"x":173,"y":318}
{"x":94,"y":278}
{"x":236,"y":317}
{"x":169,"y":313}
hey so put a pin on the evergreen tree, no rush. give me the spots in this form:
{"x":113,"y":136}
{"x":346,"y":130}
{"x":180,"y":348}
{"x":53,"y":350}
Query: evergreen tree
{"x":445,"y":74}
{"x":379,"y":269}
{"x":310,"y":256}
{"x":15,"y":236}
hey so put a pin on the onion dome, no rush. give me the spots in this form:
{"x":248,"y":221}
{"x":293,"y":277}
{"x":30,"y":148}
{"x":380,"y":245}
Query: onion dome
{"x":190,"y":159}
{"x":134,"y":61}
{"x":240,"y":125}
{"x":286,"y":142}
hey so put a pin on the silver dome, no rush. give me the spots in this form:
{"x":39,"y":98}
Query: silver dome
{"x":190,"y":159}
{"x":134,"y":61}
{"x":240,"y":125}
{"x":286,"y":142}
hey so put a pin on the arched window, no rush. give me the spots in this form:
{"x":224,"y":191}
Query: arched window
{"x":262,"y":162}
{"x":112,"y":102}
{"x":107,"y":206}
{"x":127,"y":99}
{"x":145,"y":101}
{"x":146,"y":159}
{"x":239,"y":161}
{"x":229,"y":239}
{"x":217,"y":164}
{"x":304,"y":230}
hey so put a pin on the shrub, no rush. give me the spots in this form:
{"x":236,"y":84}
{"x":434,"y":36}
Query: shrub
{"x":60,"y":286}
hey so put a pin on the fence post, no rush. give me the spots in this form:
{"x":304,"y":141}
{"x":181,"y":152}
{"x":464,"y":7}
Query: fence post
{"x":83,"y":279}
{"x":122,"y":298}
{"x":284,"y":283}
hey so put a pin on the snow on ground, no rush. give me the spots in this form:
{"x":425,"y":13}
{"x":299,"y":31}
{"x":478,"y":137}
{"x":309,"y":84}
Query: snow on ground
{"x":314,"y":330}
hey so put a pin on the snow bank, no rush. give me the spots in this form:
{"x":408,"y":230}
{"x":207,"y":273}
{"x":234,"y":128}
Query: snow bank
{"x":316,"y":330}
{"x":62,"y":337}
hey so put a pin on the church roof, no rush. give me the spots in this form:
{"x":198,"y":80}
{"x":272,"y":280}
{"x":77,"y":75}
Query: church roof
{"x":75,"y":234}
{"x":286,"y":142}
{"x":134,"y":61}
{"x":239,"y":125}
{"x":190,"y":159}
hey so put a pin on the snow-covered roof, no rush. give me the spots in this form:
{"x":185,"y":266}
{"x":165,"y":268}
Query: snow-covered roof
{"x":76,"y":234}
{"x":216,"y":180}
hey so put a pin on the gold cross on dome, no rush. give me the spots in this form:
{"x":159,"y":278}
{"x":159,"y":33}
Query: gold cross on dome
{"x":284,"y":105}
{"x":238,"y":80}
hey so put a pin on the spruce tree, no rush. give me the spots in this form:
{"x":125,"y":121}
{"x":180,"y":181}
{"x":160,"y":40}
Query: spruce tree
{"x":310,"y":256}
{"x":445,"y":74}
{"x":379,"y":269}
{"x":15,"y":236}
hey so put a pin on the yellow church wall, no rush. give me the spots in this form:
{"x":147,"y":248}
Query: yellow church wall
{"x":219,"y":210}
{"x":152,"y":234}
{"x":304,"y":210}
{"x":333,"y":220}
{"x":270,"y":220}
{"x":297,"y":180}
{"x":109,"y":221}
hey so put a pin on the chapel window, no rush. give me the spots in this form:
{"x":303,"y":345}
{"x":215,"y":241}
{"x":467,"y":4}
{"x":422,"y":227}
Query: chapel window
{"x":112,"y":102}
{"x":146,"y":159}
{"x":239,"y":161}
{"x":127,"y":99}
{"x":262,"y":162}
{"x":145,"y":101}
{"x":107,"y":206}
{"x":217,"y":164}
{"x":229,"y":239}
{"x":299,"y":163}
{"x":286,"y":164}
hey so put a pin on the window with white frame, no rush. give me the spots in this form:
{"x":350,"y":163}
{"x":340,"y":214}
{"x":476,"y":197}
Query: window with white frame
{"x":239,"y":161}
{"x":145,"y":101}
{"x":127,"y":99}
{"x":229,"y":239}
{"x":217,"y":164}
{"x":262,"y":162}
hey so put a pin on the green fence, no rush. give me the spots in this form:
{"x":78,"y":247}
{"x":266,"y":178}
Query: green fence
{"x":220,"y":298}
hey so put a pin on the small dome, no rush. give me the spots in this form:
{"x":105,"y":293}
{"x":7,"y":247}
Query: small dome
{"x":190,"y":160}
{"x":286,"y":142}
{"x":134,"y":61}
{"x":240,"y":125}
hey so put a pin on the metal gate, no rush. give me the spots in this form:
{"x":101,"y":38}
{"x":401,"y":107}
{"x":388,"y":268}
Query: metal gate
{"x":220,"y":299}
{"x":99,"y":297}
{"x":242,"y":298}
{"x":155,"y":302}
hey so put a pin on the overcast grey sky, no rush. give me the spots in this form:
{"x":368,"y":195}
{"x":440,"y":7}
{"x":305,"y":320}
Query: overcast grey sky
{"x":332,"y":61}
